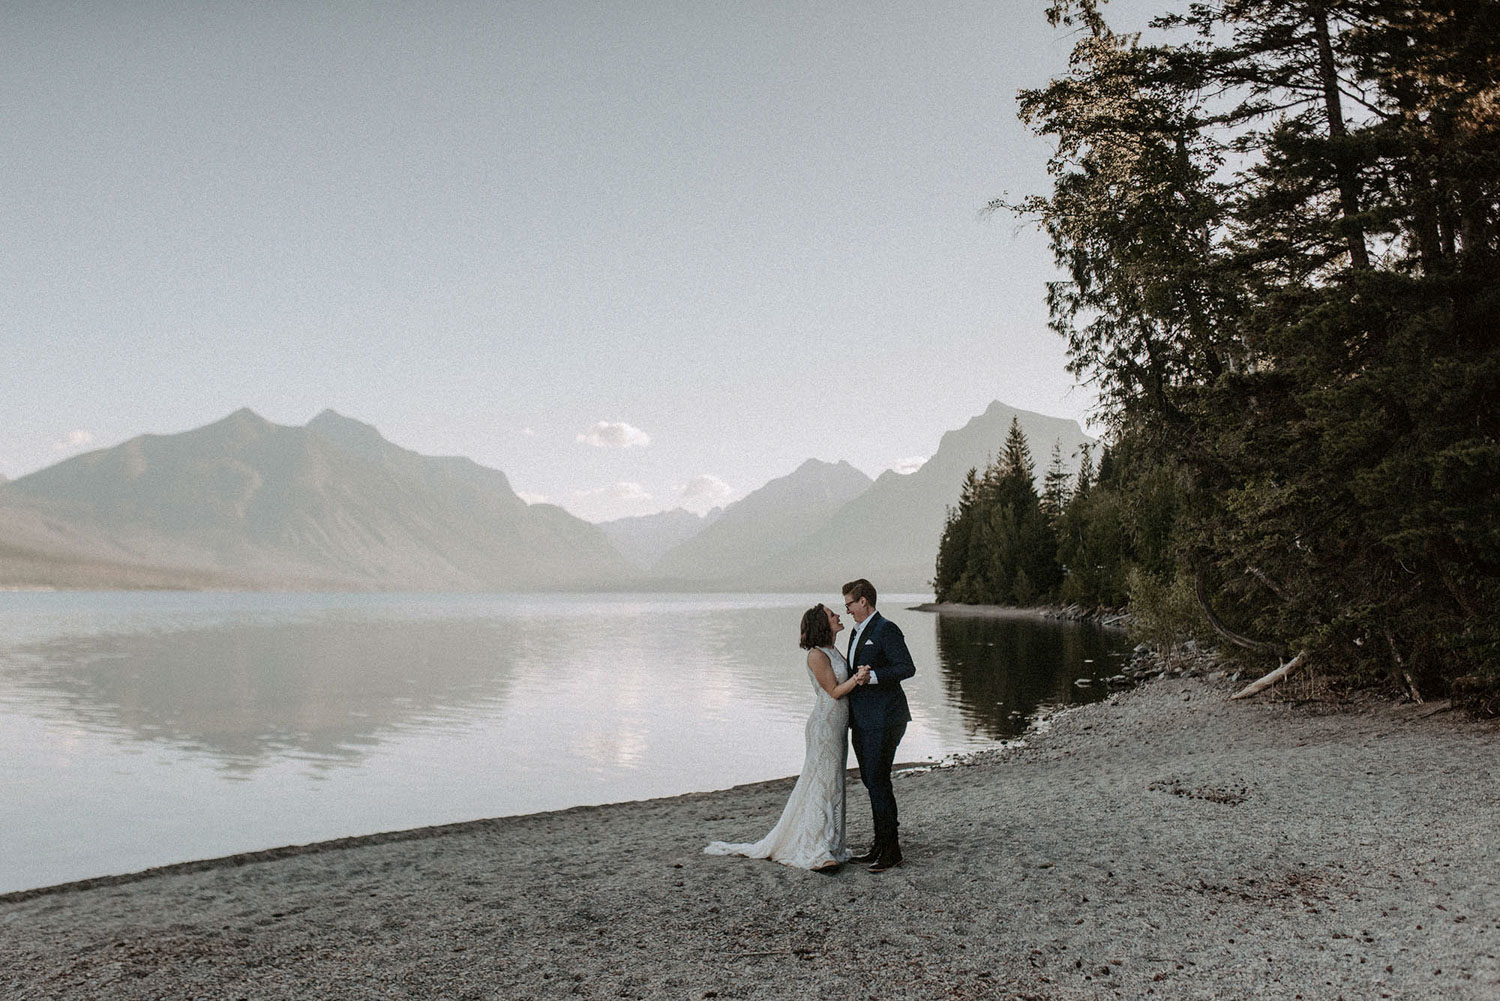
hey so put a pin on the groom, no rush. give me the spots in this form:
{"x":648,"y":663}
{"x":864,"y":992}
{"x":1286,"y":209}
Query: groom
{"x":878,"y":714}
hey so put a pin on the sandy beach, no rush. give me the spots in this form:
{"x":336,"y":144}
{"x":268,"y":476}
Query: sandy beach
{"x":1165,"y":843}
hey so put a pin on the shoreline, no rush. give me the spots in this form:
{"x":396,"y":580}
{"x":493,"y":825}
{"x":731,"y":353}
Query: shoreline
{"x":457,"y":828}
{"x":1106,"y":618}
{"x":1163,"y":841}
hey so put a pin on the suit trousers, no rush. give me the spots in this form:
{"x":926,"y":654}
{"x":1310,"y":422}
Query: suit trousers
{"x":875,"y":750}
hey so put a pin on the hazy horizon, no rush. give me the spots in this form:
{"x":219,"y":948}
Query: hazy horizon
{"x":635,"y":258}
{"x":793,"y":464}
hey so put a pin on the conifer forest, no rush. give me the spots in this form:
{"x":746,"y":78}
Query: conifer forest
{"x":1277,"y":231}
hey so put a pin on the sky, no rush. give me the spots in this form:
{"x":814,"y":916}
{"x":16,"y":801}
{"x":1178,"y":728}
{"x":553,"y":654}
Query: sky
{"x":636,"y":255}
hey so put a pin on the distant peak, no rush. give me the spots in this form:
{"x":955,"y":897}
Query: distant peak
{"x":1003,"y":412}
{"x":242,"y":420}
{"x":998,"y":409}
{"x":332,"y":418}
{"x":332,"y":424}
{"x":676,"y":512}
{"x":244,"y":425}
{"x":821,"y":464}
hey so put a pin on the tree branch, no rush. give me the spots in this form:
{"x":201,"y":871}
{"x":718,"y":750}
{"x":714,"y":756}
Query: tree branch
{"x":1200,"y":591}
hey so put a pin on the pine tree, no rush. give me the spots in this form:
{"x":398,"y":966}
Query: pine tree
{"x":953,"y":547}
{"x":1279,"y":229}
{"x":998,"y":545}
{"x":1085,"y":472}
{"x":1055,"y":486}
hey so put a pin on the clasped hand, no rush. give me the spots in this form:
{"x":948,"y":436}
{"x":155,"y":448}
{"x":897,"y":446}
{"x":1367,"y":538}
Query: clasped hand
{"x":862,"y":675}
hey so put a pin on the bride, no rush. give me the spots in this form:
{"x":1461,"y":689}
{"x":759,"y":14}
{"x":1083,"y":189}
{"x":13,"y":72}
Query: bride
{"x":810,"y":833}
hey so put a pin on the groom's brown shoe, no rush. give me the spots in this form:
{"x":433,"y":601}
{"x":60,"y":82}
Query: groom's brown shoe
{"x":888,"y":859}
{"x":867,"y":856}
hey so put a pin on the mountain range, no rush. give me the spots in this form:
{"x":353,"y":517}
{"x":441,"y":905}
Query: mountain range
{"x":887,"y":532}
{"x":244,"y":502}
{"x":645,"y":539}
{"x":790,"y":507}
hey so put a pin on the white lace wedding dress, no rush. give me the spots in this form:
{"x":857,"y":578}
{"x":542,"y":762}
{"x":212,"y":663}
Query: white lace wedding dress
{"x":810,"y":833}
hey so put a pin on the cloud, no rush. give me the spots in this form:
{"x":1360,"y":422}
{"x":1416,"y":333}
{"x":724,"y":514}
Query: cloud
{"x":529,"y":432}
{"x":909,"y":465}
{"x":703,"y":493}
{"x":614,"y":435}
{"x":75,"y":439}
{"x":531,"y":498}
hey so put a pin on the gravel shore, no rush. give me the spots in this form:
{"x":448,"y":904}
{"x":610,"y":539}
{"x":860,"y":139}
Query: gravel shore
{"x":1165,"y":843}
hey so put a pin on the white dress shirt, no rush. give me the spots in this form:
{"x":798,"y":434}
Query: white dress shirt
{"x":859,"y":632}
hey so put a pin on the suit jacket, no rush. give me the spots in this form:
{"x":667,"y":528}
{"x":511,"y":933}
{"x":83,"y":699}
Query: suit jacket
{"x":883,"y":647}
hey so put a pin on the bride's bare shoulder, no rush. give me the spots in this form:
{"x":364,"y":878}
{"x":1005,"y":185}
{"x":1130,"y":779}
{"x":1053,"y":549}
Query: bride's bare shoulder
{"x":818,"y":657}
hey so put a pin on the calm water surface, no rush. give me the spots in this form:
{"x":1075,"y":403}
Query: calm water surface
{"x":143,"y":728}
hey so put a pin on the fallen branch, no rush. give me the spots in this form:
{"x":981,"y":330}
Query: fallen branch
{"x":1272,"y":678}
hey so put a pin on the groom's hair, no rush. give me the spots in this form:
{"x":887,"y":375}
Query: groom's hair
{"x":857,"y":589}
{"x":816,"y":631}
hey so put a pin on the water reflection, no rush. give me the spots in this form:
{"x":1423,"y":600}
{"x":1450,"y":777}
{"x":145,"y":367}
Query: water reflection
{"x":999,"y":670}
{"x":612,"y":677}
{"x":324,"y":691}
{"x":121,"y":714}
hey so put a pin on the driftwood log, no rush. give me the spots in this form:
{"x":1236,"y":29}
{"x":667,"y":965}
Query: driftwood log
{"x":1272,"y":678}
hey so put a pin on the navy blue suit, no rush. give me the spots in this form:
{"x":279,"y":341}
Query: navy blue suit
{"x":878,"y":715}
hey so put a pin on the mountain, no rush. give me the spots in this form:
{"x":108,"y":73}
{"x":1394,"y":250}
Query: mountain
{"x":247,"y":503}
{"x":244,"y":502}
{"x":889,"y":533}
{"x":647,"y":538}
{"x":764,"y":522}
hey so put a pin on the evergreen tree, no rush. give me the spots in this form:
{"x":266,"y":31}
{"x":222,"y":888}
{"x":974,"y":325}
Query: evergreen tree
{"x":1279,"y":227}
{"x":1055,"y":486}
{"x":999,"y":546}
{"x":1107,"y":474}
{"x":953,"y":547}
{"x":1085,"y":471}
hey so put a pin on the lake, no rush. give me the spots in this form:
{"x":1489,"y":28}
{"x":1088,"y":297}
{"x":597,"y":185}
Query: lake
{"x":144,"y":728}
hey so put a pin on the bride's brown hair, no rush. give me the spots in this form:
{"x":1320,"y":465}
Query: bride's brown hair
{"x":815,"y":628}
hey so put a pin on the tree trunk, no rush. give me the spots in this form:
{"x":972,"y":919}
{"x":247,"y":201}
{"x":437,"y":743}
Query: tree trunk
{"x":1200,"y":591}
{"x":1333,"y":107}
{"x":1424,"y":224}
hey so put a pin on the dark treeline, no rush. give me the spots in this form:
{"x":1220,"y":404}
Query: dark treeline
{"x":1096,"y":538}
{"x":1278,"y":225}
